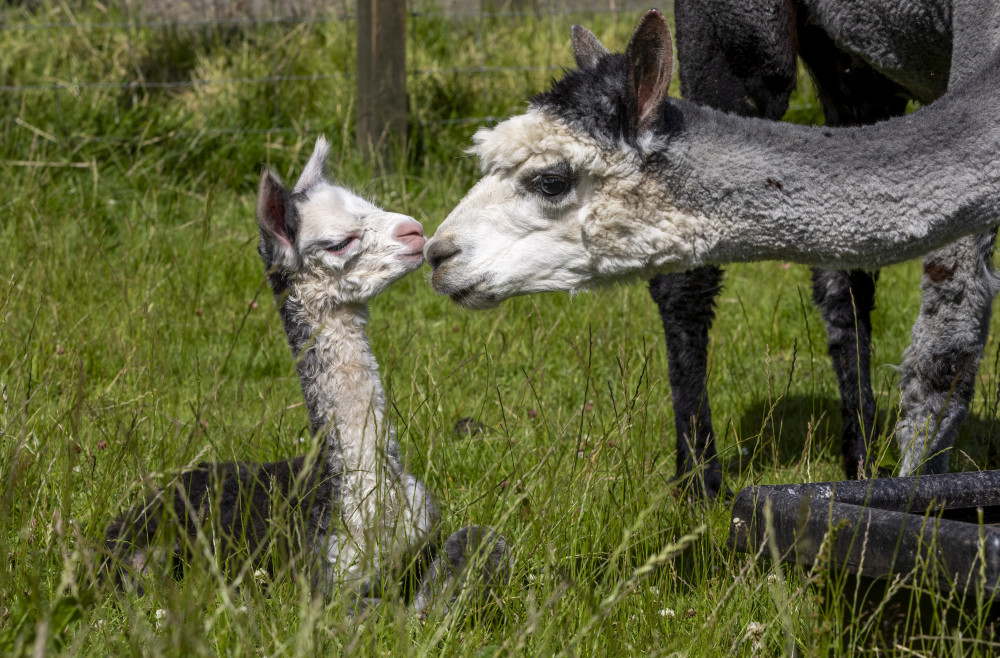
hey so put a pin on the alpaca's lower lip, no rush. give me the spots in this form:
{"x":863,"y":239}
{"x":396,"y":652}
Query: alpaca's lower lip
{"x":415,"y":254}
{"x":472,"y":298}
{"x":459,"y":295}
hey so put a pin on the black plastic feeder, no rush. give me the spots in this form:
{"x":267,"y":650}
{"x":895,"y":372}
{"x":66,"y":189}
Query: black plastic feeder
{"x":928,"y":525}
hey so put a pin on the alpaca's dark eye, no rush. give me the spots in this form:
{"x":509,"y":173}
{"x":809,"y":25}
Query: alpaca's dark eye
{"x":552,"y":186}
{"x":551,"y":183}
{"x":340,"y":246}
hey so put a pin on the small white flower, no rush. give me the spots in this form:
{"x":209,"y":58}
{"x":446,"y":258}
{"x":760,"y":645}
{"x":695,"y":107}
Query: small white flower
{"x":772,"y":578}
{"x":242,"y":609}
{"x":99,"y":624}
{"x":655,"y":591}
{"x":755,"y":630}
{"x":668,"y":613}
{"x":260,"y":576}
{"x":160,"y":614}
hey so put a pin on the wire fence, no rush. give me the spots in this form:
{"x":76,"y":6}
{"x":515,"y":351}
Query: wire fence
{"x":43,"y":22}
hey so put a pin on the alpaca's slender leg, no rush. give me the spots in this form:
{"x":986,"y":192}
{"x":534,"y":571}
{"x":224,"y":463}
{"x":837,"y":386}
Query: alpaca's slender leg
{"x":686,"y":303}
{"x":846,"y":299}
{"x":937,"y":375}
{"x":741,"y":62}
{"x":851,"y":93}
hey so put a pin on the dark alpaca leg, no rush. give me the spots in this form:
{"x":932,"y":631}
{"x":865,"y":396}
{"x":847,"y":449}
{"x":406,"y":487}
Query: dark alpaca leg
{"x":686,"y":303}
{"x":741,"y":62}
{"x":846,"y":300}
{"x":938,"y":372}
{"x":851,"y":93}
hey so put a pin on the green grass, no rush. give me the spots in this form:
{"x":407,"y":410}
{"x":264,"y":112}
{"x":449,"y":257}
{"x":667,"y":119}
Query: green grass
{"x":136,"y":338}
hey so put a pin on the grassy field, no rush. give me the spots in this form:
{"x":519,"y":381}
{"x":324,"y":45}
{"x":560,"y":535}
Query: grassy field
{"x":137,"y":338}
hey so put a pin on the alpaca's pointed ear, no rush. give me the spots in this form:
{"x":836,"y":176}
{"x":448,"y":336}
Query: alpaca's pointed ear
{"x":313,"y":173}
{"x":587,"y":48}
{"x":650,"y":63}
{"x":276,"y":221}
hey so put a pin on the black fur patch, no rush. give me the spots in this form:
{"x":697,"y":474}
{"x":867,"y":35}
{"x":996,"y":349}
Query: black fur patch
{"x":595,"y":102}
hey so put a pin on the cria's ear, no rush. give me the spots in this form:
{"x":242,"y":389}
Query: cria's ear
{"x":276,"y":221}
{"x":313,"y":173}
{"x":587,"y":48}
{"x":650,"y":62}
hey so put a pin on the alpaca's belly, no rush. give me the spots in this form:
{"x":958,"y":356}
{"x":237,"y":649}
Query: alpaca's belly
{"x":907,"y":41}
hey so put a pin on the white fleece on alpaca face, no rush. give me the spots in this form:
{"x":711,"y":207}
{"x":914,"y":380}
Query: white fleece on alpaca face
{"x":614,"y":224}
{"x":330,"y":215}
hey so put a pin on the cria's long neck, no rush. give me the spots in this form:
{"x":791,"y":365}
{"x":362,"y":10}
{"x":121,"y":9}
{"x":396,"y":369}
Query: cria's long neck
{"x":340,"y":381}
{"x":865,"y":197}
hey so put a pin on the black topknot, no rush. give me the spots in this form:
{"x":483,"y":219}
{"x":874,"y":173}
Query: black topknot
{"x":592,"y":100}
{"x":595,"y":102}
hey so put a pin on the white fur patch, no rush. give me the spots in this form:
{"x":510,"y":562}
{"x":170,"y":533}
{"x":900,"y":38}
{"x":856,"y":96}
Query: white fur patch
{"x":346,"y":559}
{"x":330,"y":215}
{"x":615,"y":225}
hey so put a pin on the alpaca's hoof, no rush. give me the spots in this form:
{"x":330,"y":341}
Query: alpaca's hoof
{"x":707,"y":489}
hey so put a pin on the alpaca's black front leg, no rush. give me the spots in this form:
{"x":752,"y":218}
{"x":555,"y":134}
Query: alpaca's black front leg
{"x":846,"y":300}
{"x":852,"y":93}
{"x":739,"y":59}
{"x":687,"y":307}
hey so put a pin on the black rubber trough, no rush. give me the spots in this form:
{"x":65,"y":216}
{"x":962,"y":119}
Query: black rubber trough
{"x":944,"y":528}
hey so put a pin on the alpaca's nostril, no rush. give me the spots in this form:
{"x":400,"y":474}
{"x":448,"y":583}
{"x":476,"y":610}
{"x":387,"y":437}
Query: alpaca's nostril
{"x":438,"y":252}
{"x":409,"y":234}
{"x":408,"y":228}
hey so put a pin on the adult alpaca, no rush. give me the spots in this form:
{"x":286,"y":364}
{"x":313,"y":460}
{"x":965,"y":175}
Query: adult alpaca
{"x":866,"y":60}
{"x":350,"y":509}
{"x":605,"y":179}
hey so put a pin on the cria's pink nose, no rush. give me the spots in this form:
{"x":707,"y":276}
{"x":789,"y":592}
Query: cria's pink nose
{"x":410,"y":234}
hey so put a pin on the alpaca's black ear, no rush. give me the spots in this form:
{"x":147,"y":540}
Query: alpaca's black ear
{"x":275,"y":220}
{"x":650,"y":62}
{"x":587,"y":48}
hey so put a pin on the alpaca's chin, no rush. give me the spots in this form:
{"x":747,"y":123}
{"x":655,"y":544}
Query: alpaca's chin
{"x":474,"y":300}
{"x":468,"y":292}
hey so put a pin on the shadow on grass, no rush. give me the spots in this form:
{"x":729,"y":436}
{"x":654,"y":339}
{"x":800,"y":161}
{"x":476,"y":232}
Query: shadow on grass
{"x":789,"y":431}
{"x":798,"y":428}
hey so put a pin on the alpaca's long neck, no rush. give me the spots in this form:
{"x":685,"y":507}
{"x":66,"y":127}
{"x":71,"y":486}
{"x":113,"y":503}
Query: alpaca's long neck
{"x":340,"y":379}
{"x":865,"y":197}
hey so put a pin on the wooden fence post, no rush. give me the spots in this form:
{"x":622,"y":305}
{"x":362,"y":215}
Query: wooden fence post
{"x":381,"y":74}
